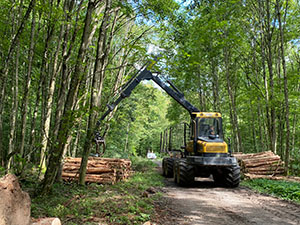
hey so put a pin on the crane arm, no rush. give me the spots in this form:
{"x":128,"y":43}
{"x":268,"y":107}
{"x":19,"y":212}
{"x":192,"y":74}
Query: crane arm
{"x":133,"y":82}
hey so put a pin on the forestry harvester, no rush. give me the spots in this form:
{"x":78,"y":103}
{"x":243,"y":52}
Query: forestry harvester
{"x":206,"y":153}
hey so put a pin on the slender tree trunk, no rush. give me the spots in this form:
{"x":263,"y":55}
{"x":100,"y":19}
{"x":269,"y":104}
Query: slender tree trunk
{"x":127,"y":137}
{"x":68,"y":115}
{"x":161,"y":143}
{"x":74,"y":150}
{"x":5,"y":69}
{"x":66,"y":53}
{"x":27,"y":84}
{"x":272,"y":128}
{"x":286,"y":94}
{"x":14,"y":114}
{"x":49,"y":106}
{"x":97,"y":82}
{"x":216,"y":105}
{"x":170,"y":139}
{"x":253,"y":127}
{"x":233,"y":111}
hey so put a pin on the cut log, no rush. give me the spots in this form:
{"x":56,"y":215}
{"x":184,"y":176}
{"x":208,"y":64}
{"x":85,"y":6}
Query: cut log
{"x":268,"y":172}
{"x":46,"y":221}
{"x":93,"y":170}
{"x":265,"y":167}
{"x":96,"y":176}
{"x":270,"y":162}
{"x":263,"y":163}
{"x":252,"y":155}
{"x":99,"y":170}
{"x":261,"y":159}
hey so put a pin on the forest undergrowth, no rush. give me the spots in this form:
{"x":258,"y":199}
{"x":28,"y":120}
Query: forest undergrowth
{"x":126,"y":202}
{"x":134,"y":201}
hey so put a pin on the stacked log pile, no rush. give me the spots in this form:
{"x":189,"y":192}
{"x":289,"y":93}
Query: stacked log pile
{"x":99,"y":170}
{"x":262,"y":163}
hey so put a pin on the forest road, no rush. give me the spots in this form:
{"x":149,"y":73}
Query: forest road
{"x":205,"y":203}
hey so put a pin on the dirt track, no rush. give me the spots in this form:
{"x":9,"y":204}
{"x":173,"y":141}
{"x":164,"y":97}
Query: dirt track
{"x":205,"y":203}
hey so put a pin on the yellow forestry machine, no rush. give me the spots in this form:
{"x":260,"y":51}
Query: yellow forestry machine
{"x":206,"y":153}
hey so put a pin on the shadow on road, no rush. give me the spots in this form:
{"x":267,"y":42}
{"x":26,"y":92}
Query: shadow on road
{"x":201,"y":183}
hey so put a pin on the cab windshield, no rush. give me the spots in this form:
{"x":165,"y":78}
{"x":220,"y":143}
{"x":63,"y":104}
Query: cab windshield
{"x":210,"y":128}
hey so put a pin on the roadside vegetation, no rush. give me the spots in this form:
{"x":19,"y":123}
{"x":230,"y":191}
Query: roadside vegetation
{"x":126,"y":202}
{"x":283,"y":189}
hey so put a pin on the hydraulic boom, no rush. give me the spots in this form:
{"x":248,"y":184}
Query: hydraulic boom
{"x":145,"y":74}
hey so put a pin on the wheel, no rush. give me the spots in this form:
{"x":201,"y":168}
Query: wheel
{"x":185,"y":174}
{"x":228,"y":177}
{"x":163,"y":167}
{"x":168,"y":167}
{"x":232,"y":176}
{"x":175,"y":168}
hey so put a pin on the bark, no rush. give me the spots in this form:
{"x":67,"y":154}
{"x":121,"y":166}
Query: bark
{"x":66,"y":53}
{"x":166,"y":140}
{"x":286,"y":94}
{"x":233,"y":111}
{"x":263,"y":59}
{"x":15,"y":103}
{"x":127,"y":135}
{"x":259,"y":110}
{"x":75,"y":146}
{"x":269,"y":34}
{"x":48,"y":109}
{"x":68,"y":116}
{"x":215,"y":82}
{"x":51,"y":89}
{"x":4,"y":71}
{"x":161,"y":143}
{"x":253,"y":114}
{"x":27,"y":84}
{"x":14,"y":114}
{"x":97,"y":85}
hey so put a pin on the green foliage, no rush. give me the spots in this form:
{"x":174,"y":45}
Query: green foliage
{"x":282,"y":189}
{"x":122,"y":203}
{"x":138,"y":123}
{"x":295,"y":163}
{"x":141,"y":164}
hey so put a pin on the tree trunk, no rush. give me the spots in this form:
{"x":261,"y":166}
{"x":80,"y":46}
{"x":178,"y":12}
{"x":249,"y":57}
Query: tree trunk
{"x":286,"y":95}
{"x":27,"y":84}
{"x":14,"y":114}
{"x":97,"y":82}
{"x":4,"y":71}
{"x":233,"y":111}
{"x":68,"y":116}
{"x":269,"y":34}
{"x":51,"y":89}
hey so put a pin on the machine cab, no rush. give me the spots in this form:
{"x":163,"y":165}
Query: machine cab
{"x":207,"y":132}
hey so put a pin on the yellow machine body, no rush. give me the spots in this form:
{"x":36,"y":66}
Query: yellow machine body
{"x":207,"y":146}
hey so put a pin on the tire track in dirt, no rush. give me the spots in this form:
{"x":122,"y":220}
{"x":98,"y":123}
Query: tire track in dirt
{"x":207,"y":204}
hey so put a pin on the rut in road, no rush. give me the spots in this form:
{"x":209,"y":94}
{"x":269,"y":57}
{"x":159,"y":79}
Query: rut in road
{"x":205,"y":203}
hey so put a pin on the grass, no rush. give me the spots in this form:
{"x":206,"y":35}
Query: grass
{"x":122,"y":203}
{"x":282,"y":189}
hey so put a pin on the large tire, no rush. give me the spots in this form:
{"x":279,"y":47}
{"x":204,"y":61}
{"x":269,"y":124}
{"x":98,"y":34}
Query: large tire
{"x":175,"y":168}
{"x":228,"y":177}
{"x":185,"y":174}
{"x":167,"y":165}
{"x":233,"y":177}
